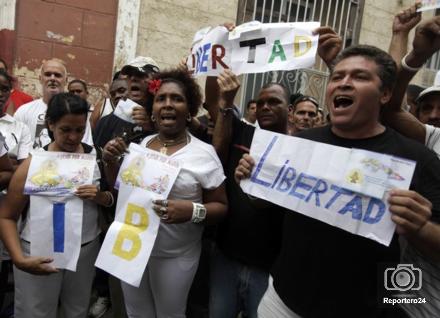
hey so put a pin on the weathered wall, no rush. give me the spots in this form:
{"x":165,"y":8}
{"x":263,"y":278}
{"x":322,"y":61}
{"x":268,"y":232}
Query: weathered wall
{"x":376,"y":26}
{"x":167,"y":27}
{"x":79,"y":32}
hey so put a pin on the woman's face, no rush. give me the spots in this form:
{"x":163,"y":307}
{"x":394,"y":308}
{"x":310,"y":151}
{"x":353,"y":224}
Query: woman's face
{"x":69,"y":131}
{"x":170,"y":109}
{"x":5,"y":91}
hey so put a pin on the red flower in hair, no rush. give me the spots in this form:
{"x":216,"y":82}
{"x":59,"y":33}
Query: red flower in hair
{"x":154,"y":86}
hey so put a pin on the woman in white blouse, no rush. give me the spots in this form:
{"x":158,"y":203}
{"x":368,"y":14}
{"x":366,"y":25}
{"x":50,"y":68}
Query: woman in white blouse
{"x":197,"y":197}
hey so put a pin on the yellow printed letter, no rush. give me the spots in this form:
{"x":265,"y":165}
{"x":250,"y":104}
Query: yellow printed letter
{"x":299,"y":39}
{"x":129,"y":233}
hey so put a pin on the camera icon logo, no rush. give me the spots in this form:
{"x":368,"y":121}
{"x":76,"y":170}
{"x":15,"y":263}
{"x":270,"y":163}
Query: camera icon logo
{"x":403,"y":278}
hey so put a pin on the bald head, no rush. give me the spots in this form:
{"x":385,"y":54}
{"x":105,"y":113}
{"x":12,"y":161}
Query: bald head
{"x":53,"y":77}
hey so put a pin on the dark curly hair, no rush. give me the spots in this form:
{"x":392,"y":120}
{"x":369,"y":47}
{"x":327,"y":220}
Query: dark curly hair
{"x":188,"y":84}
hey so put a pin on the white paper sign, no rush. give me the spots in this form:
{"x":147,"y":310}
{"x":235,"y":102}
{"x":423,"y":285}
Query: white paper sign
{"x":311,"y":178}
{"x":148,"y":169}
{"x":55,"y":229}
{"x":58,"y":173}
{"x":144,"y":176}
{"x":429,"y":5}
{"x":124,"y":110}
{"x":130,"y":239}
{"x":254,"y":47}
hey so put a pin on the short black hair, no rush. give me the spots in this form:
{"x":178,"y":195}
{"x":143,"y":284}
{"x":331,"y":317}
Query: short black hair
{"x":77,"y":80}
{"x":116,"y":75}
{"x":284,"y":88}
{"x":294,"y":97}
{"x":387,"y":68}
{"x":185,"y":81}
{"x":8,"y":77}
{"x":64,"y":104}
{"x":252,"y":101}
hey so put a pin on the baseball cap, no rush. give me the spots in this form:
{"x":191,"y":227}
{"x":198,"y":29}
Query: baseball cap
{"x":429,"y":90}
{"x":142,"y":65}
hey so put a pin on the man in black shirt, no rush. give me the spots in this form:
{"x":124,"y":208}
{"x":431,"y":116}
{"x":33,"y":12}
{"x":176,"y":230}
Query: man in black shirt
{"x":323,"y":271}
{"x":249,"y":239}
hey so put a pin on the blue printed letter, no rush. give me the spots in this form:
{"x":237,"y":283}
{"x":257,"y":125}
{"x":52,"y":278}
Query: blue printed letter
{"x":316,"y":190}
{"x":261,"y":163}
{"x":381,"y":211}
{"x":58,"y":226}
{"x":354,"y":206}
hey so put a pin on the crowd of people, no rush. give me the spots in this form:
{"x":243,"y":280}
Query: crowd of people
{"x":220,"y":252}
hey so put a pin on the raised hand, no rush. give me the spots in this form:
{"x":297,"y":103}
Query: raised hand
{"x":228,"y":84}
{"x":329,"y":44}
{"x":407,"y":19}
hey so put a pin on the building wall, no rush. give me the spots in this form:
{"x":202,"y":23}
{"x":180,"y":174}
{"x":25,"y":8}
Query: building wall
{"x":79,"y":32}
{"x":376,"y":29}
{"x":167,"y":27}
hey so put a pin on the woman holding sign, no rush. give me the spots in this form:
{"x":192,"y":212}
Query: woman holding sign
{"x":42,"y":289}
{"x":197,"y":196}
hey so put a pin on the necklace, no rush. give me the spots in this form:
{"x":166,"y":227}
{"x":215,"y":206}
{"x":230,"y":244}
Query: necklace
{"x":169,"y":143}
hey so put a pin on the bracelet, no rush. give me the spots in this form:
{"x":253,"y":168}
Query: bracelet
{"x":226,"y":111}
{"x":408,"y":68}
{"x":109,"y":196}
{"x":199,"y":213}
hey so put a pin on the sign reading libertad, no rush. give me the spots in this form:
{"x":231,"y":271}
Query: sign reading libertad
{"x":343,"y":187}
{"x":254,"y":47}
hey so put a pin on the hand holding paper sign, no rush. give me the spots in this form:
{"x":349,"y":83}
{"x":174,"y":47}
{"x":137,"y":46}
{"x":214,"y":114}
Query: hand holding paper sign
{"x":410,"y":211}
{"x":426,"y":42}
{"x":87,"y":192}
{"x":229,"y":85}
{"x":329,"y":44}
{"x":140,"y":117}
{"x":407,"y":19}
{"x":244,"y":168}
{"x":173,"y":211}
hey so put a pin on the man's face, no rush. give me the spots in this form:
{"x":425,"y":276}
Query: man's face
{"x":52,"y":78}
{"x":78,"y":89}
{"x":252,"y":112}
{"x":319,"y":120}
{"x":429,"y":109}
{"x":2,"y":66}
{"x":137,"y":89}
{"x":118,"y":90}
{"x":272,"y":109}
{"x":354,"y":95}
{"x":304,"y":115}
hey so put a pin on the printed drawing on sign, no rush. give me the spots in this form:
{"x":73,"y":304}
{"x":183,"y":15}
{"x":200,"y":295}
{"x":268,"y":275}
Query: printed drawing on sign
{"x":132,"y":175}
{"x":58,"y":173}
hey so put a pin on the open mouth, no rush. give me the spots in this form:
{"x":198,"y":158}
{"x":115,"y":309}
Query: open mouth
{"x":167,"y":118}
{"x":342,"y":101}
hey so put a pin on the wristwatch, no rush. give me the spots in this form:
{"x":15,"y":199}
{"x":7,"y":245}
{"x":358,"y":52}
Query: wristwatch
{"x":199,"y":213}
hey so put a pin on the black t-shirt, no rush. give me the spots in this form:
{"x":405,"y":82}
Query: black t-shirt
{"x":112,"y":126}
{"x":323,"y":271}
{"x":248,"y":234}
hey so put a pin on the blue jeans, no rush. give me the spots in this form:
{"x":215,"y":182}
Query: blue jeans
{"x":235,"y":288}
